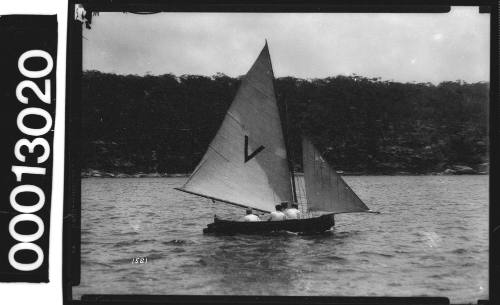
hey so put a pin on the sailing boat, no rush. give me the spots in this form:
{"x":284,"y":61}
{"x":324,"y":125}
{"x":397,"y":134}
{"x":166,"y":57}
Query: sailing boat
{"x":247,"y":164}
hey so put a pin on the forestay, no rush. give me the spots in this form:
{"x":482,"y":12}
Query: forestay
{"x":246,"y":162}
{"x":325,"y":189}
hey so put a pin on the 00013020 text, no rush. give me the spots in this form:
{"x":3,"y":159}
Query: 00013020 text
{"x":26,"y":241}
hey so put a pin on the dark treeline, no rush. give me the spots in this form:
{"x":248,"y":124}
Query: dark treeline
{"x":164,"y":123}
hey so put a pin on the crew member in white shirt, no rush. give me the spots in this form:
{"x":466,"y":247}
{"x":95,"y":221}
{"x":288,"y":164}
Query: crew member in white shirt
{"x":250,"y":216}
{"x":293,"y":212}
{"x":278,"y":214}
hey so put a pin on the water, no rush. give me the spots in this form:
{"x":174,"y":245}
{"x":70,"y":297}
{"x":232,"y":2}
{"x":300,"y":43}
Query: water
{"x":430,"y":239}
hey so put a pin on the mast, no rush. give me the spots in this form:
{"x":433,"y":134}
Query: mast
{"x":289,"y":152}
{"x":284,"y":126}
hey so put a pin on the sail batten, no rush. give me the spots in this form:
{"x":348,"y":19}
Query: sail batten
{"x":246,"y":162}
{"x":325,"y":189}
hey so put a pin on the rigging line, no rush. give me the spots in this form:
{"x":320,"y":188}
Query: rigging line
{"x":212,"y":204}
{"x":301,"y":189}
{"x":289,"y":151}
{"x":303,"y":195}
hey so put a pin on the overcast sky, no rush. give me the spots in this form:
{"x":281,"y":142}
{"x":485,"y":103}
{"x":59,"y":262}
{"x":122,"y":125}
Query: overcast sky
{"x":400,"y":47}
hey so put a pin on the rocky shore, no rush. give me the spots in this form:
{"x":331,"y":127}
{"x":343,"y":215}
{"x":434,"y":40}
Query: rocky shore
{"x":482,"y":169}
{"x":106,"y":174}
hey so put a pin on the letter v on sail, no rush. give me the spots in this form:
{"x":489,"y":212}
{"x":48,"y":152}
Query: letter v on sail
{"x":247,"y":156}
{"x":258,"y":174}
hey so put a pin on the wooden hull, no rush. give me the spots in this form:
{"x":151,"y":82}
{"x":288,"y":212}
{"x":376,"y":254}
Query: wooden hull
{"x":313,"y":225}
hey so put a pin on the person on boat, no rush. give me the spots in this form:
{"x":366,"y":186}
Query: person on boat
{"x":293,"y":212}
{"x":278,"y":214}
{"x":284,"y":205}
{"x":250,"y":216}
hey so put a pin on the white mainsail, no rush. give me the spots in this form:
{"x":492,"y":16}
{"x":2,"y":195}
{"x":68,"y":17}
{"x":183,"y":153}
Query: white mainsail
{"x":246,"y":163}
{"x":325,"y":189}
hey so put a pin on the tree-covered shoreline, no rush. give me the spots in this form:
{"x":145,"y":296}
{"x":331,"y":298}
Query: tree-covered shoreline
{"x":142,"y":125}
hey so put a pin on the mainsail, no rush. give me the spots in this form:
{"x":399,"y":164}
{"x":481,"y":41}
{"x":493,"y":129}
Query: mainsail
{"x":246,"y":163}
{"x":325,"y":189}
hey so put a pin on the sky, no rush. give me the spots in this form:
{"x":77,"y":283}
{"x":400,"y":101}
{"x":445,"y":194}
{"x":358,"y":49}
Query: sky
{"x":400,"y":47}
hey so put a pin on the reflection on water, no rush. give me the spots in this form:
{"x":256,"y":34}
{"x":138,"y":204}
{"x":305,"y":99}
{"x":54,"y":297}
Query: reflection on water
{"x":431,"y":239}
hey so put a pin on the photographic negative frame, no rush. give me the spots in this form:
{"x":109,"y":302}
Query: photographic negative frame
{"x":72,"y":205}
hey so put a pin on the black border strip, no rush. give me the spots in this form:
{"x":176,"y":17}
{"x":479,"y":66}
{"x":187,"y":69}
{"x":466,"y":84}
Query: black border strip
{"x":312,"y":6}
{"x":72,"y":181}
{"x":494,"y":132}
{"x":222,"y":299}
{"x":72,"y":204}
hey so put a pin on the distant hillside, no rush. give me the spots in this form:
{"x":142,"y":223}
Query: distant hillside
{"x":163,"y":124}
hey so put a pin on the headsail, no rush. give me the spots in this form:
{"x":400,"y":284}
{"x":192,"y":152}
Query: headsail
{"x":325,"y":189}
{"x":246,"y":162}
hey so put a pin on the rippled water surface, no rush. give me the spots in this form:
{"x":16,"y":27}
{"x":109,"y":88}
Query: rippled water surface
{"x":430,"y":239}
